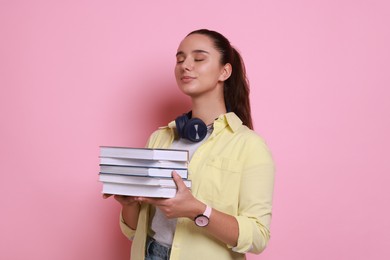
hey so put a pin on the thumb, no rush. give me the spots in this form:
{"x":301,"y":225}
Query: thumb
{"x":179,"y":181}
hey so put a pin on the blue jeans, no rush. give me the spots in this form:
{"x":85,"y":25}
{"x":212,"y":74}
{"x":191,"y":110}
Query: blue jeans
{"x":156,"y":251}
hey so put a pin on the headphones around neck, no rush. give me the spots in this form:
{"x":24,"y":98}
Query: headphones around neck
{"x":193,"y":129}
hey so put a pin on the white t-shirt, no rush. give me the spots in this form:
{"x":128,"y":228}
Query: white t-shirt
{"x":161,"y":228}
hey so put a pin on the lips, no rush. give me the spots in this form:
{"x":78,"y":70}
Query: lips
{"x":187,"y":79}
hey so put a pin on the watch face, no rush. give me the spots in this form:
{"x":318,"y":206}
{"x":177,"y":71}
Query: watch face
{"x":202,"y":221}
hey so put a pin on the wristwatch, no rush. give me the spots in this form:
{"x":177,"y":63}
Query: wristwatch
{"x":202,"y":220}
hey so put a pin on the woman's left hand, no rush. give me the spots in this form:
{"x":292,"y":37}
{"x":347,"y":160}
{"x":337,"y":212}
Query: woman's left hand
{"x":184,"y":204}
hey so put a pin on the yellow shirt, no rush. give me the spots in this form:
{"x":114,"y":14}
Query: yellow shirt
{"x":232,"y":172}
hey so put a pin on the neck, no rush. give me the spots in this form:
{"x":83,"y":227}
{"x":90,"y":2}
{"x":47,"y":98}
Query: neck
{"x":208,"y":111}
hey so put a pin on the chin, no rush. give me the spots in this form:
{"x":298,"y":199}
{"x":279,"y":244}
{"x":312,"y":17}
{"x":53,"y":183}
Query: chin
{"x":188,"y":90}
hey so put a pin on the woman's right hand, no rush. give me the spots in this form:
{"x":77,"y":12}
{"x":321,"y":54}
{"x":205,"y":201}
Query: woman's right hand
{"x":123,"y":200}
{"x":126,"y":200}
{"x":130,"y":208}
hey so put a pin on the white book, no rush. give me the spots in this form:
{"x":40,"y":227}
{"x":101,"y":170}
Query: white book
{"x":138,"y":190}
{"x":144,"y":153}
{"x":142,"y":171}
{"x":138,"y":180}
{"x":143,"y":163}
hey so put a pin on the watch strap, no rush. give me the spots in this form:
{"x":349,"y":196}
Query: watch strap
{"x":207,"y":212}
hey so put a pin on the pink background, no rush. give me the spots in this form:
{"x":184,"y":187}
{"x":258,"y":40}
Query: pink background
{"x":78,"y":74}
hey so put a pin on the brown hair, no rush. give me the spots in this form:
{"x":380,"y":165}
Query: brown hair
{"x":236,"y":88}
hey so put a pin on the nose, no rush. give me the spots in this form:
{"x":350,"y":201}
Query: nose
{"x":187,"y":65}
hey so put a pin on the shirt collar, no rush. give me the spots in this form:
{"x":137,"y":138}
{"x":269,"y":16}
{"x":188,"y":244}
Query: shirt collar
{"x":230,"y":120}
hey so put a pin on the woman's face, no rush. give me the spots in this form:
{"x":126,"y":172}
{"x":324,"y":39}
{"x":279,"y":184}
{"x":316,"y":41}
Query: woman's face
{"x":198,"y":70}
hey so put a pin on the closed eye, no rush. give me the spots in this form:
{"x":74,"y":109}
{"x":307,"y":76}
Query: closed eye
{"x":178,"y":61}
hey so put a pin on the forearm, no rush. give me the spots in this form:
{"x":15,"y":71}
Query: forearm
{"x":130,"y":215}
{"x":222,"y":226}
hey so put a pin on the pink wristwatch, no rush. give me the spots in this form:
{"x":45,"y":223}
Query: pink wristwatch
{"x":202,"y":220}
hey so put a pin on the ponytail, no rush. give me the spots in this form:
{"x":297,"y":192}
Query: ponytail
{"x":236,"y":88}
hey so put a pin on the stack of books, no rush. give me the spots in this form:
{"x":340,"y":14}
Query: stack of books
{"x":142,"y":172}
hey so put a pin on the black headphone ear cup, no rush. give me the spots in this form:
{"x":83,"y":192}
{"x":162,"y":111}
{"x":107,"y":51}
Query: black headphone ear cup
{"x":195,"y":130}
{"x":181,"y":121}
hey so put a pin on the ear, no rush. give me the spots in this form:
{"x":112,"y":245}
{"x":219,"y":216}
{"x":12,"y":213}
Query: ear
{"x":226,"y":72}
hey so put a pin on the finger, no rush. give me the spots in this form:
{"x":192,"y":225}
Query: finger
{"x":178,"y":181}
{"x":105,"y":196}
{"x":149,"y":200}
{"x":125,"y":199}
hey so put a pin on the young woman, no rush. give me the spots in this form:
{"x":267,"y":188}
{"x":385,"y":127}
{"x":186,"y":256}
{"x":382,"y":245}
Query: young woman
{"x":227,"y":212}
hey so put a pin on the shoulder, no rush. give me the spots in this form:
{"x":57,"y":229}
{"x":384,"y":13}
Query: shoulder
{"x":240,"y":138}
{"x":253,"y":143}
{"x":161,"y":138}
{"x":248,"y":135}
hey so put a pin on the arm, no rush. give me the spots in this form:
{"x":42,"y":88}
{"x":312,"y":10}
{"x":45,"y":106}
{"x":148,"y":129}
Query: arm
{"x":255,"y":208}
{"x":222,"y":226}
{"x":246,"y":230}
{"x":130,"y":209}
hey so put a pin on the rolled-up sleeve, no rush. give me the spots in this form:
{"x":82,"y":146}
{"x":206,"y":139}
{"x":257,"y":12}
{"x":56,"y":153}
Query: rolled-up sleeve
{"x":255,"y":204}
{"x":126,"y":230}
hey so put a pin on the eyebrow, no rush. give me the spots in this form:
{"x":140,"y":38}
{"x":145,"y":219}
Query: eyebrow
{"x":194,"y":51}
